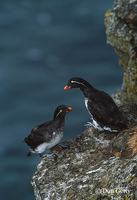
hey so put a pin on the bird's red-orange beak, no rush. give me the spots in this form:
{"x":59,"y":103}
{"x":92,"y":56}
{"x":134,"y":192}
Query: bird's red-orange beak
{"x":69,"y":109}
{"x":67,"y":87}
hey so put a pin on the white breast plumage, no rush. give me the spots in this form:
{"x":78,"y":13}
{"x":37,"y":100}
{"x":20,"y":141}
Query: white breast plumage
{"x":94,"y":123}
{"x":86,"y":104}
{"x":47,"y":145}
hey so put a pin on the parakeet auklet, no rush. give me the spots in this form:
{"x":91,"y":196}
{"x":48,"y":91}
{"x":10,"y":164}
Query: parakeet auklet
{"x":48,"y":134}
{"x":105,"y":115}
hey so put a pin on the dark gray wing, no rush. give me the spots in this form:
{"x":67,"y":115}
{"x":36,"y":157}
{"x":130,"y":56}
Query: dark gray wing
{"x":42,"y":133}
{"x":104,"y":110}
{"x":45,"y":124}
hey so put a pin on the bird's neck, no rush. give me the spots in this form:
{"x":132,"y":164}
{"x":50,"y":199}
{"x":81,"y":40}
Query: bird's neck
{"x":60,"y":119}
{"x":88,"y":91}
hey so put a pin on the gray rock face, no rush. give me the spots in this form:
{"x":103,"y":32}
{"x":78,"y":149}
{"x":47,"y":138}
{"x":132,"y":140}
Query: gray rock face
{"x":92,"y":168}
{"x":121,"y":30}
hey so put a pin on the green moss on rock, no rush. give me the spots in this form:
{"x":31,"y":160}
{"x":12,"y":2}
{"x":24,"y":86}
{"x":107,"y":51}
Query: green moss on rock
{"x":121,"y":30}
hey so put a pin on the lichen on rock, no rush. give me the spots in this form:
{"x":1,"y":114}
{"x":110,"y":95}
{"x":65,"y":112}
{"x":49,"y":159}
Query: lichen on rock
{"x":121,"y":30}
{"x":96,"y":166}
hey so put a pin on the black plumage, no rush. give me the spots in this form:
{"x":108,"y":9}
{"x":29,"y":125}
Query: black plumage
{"x":105,"y":114}
{"x":48,"y":134}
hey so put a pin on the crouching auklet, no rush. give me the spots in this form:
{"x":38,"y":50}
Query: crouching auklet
{"x":48,"y":134}
{"x":105,"y":115}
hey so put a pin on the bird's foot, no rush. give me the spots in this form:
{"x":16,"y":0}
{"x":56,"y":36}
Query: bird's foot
{"x":29,"y":154}
{"x":40,"y":155}
{"x":63,"y":146}
{"x":51,"y":155}
{"x":59,"y":147}
{"x":88,"y":124}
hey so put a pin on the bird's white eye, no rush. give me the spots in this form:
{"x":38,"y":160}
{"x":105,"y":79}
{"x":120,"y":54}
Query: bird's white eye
{"x":60,"y":111}
{"x":72,"y":81}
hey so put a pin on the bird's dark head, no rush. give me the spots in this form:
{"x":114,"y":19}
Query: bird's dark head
{"x":77,"y":82}
{"x":61,"y":111}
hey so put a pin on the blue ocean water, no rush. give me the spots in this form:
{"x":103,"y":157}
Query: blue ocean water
{"x":42,"y":45}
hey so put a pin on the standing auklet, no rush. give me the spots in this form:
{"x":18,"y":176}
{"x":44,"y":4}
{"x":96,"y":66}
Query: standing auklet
{"x":48,"y":134}
{"x":105,"y":115}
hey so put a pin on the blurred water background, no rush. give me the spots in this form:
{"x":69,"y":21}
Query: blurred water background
{"x":42,"y":45}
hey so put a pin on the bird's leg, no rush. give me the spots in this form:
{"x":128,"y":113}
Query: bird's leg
{"x":40,"y":155}
{"x":29,"y":154}
{"x":63,"y":145}
{"x":51,"y":155}
{"x":89,"y":124}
